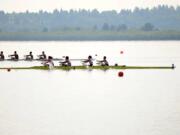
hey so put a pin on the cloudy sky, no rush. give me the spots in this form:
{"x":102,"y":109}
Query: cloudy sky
{"x":49,"y":5}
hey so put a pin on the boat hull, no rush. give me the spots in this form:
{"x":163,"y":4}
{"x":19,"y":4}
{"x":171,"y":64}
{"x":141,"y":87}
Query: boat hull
{"x":123,"y":67}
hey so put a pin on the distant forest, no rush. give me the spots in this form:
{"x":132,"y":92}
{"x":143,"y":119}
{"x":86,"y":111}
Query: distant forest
{"x":161,"y":18}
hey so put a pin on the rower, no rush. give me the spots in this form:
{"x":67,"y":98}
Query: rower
{"x":2,"y":56}
{"x":103,"y":62}
{"x":42,"y":56}
{"x":29,"y":56}
{"x":66,"y":62}
{"x":49,"y":62}
{"x":14,"y":56}
{"x":89,"y":60}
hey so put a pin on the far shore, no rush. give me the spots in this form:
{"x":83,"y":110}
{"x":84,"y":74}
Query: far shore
{"x":89,"y":35}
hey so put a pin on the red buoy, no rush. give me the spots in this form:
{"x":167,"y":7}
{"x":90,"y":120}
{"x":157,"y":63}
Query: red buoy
{"x":8,"y":69}
{"x":120,"y":74}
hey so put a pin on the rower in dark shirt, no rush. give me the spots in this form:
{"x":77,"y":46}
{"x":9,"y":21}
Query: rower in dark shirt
{"x":42,"y":56}
{"x":66,"y":62}
{"x":103,"y":62}
{"x":29,"y":56}
{"x":89,"y":60}
{"x":14,"y":56}
{"x":2,"y":56}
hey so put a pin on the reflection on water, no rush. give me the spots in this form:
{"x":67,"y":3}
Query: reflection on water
{"x":143,"y":102}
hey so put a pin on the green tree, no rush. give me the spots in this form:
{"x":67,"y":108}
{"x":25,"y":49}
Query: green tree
{"x":122,"y":27}
{"x":112,"y":28}
{"x":147,"y":27}
{"x":78,"y":28}
{"x":95,"y":27}
{"x":105,"y":27}
{"x":45,"y":29}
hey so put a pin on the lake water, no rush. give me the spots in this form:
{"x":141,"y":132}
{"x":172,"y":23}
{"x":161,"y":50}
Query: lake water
{"x":143,"y":102}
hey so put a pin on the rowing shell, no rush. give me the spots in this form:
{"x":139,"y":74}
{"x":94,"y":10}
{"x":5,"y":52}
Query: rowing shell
{"x":86,"y":67}
{"x":54,"y":59}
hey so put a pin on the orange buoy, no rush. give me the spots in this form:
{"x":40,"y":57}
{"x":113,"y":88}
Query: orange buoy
{"x":8,"y":69}
{"x":120,"y":74}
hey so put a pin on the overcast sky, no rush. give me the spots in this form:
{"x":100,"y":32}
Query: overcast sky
{"x":49,"y":5}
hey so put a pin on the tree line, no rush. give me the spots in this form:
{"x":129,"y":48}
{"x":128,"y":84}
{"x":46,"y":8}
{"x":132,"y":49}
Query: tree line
{"x":158,"y":18}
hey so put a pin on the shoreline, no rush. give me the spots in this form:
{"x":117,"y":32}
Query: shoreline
{"x":88,"y":35}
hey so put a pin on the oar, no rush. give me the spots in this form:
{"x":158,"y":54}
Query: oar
{"x":98,"y":63}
